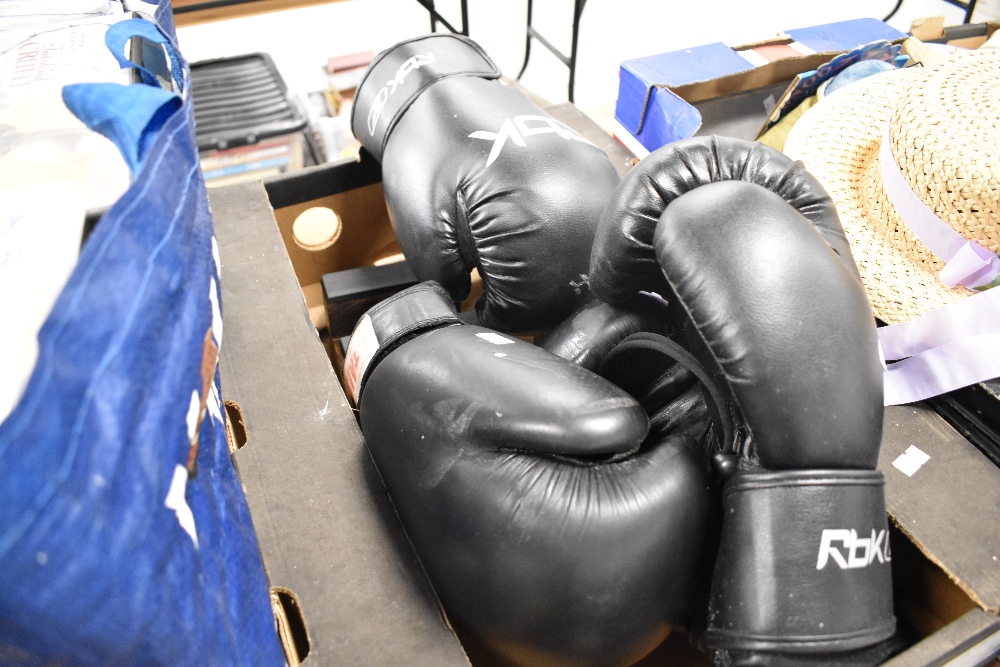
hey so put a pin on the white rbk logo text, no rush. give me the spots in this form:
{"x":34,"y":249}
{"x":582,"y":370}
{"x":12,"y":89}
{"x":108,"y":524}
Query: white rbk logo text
{"x":517,"y":128}
{"x":861,"y":552}
{"x":416,"y":62}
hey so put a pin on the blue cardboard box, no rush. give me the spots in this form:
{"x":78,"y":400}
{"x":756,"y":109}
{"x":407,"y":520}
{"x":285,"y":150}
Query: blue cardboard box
{"x":657,"y":94}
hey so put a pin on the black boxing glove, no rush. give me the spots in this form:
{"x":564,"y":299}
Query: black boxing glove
{"x":478,"y":176}
{"x":552,"y":528}
{"x":623,"y":262}
{"x":774,"y":310}
{"x":590,"y":333}
{"x":647,"y":367}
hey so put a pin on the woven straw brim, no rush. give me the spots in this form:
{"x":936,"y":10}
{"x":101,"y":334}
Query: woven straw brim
{"x":839,"y":139}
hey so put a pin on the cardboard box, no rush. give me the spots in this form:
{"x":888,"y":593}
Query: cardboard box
{"x":966,"y":36}
{"x":719,"y":89}
{"x":943,"y":499}
{"x":348,"y":587}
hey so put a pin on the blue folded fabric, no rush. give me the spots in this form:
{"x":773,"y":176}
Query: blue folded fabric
{"x":856,"y":72}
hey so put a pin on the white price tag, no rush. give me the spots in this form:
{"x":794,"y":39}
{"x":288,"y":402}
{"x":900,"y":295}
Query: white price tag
{"x":910,"y":461}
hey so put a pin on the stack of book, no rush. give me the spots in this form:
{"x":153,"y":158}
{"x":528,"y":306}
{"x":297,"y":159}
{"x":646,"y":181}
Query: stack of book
{"x":246,"y":123}
{"x":266,"y":158}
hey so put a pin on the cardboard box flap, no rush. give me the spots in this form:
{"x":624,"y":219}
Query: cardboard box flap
{"x":845,"y":35}
{"x":676,"y":68}
{"x":944,"y":494}
{"x":326,"y":527}
{"x":655,"y":93}
{"x":676,"y":102}
{"x":777,"y":70}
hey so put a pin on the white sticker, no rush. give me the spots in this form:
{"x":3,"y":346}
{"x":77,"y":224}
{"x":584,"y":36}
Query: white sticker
{"x":178,"y":503}
{"x":753,"y":57}
{"x":801,"y":48}
{"x":363,"y":346}
{"x":214,"y":404}
{"x":215,"y":256}
{"x":494,"y":338}
{"x":213,"y":297}
{"x":194,"y":411}
{"x":910,"y":461}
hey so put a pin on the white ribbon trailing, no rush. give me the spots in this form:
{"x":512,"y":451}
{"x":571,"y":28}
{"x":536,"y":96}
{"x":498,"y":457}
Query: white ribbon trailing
{"x":943,"y":350}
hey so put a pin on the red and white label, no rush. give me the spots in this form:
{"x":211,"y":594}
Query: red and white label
{"x":363,"y":346}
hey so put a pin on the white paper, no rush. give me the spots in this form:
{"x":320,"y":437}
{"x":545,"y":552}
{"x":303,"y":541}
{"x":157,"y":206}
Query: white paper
{"x":40,"y":231}
{"x":910,"y":461}
{"x":48,"y":7}
{"x":177,"y":501}
{"x":53,"y":55}
{"x":42,"y":141}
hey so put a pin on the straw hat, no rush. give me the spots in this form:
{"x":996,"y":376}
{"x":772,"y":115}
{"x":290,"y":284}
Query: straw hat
{"x":943,"y":128}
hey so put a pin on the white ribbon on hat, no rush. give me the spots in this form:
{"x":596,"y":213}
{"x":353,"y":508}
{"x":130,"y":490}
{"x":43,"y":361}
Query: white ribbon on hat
{"x":951,"y":347}
{"x":967,"y":263}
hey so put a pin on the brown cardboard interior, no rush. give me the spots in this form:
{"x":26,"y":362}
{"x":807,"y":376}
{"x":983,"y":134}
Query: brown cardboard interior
{"x":739,"y":115}
{"x":366,"y":239}
{"x":769,"y":74}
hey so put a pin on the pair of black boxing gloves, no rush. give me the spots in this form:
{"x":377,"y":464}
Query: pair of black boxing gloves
{"x":694,"y":442}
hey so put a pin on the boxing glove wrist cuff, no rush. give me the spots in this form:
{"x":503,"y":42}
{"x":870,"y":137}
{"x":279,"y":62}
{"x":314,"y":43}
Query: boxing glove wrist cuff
{"x":398,"y":76}
{"x":389,"y":324}
{"x":804,"y":563}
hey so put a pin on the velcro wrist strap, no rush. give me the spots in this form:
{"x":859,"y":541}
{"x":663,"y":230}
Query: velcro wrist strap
{"x":389,"y":324}
{"x":398,"y":75}
{"x":804,"y":563}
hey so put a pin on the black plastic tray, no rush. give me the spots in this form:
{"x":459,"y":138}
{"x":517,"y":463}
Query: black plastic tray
{"x":240,"y":100}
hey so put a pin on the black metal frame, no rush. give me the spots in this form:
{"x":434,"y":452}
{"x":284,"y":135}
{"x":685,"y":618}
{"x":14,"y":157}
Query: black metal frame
{"x":570,"y":60}
{"x":968,"y":5}
{"x":436,"y":17}
{"x":208,"y":4}
{"x":530,"y":34}
{"x":426,"y":4}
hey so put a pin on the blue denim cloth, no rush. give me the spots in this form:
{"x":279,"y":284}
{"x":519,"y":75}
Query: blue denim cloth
{"x":125,"y":536}
{"x":856,"y":72}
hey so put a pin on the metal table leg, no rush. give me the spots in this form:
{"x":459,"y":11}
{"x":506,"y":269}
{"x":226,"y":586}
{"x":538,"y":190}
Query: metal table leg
{"x":436,"y":17}
{"x":968,"y":5}
{"x":570,"y":60}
